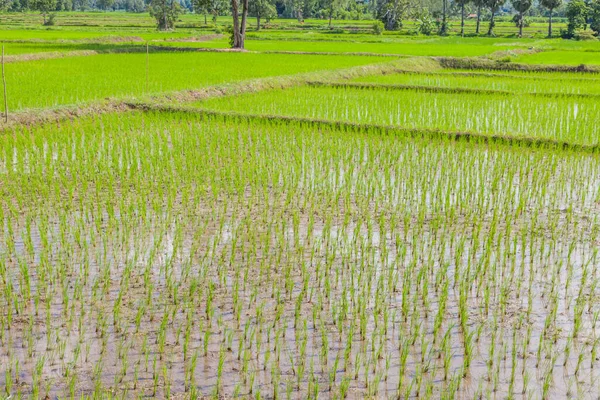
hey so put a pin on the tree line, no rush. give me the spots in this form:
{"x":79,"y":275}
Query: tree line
{"x":580,"y":14}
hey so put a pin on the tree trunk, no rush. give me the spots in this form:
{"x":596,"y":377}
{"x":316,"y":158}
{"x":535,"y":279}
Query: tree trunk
{"x":330,"y":16}
{"x":444,"y":29}
{"x":243,"y":23}
{"x":492,"y":22}
{"x":520,"y":24}
{"x":550,"y":25}
{"x":258,"y":21}
{"x":237,"y":42}
{"x":205,"y":20}
{"x":462,"y":20}
{"x":478,"y":19}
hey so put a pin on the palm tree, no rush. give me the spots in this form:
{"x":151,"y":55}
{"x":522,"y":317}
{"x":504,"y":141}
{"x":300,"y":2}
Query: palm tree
{"x":551,"y":5}
{"x":462,"y":4}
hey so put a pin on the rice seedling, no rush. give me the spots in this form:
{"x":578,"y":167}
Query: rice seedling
{"x":170,"y":253}
{"x":80,"y":80}
{"x":555,"y":118}
{"x":516,"y":82}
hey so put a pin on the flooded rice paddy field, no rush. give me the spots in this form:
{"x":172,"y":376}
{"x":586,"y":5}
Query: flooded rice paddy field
{"x":170,"y":255}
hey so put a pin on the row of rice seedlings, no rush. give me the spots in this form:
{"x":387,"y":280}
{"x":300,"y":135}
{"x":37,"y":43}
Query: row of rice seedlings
{"x":533,"y":82}
{"x":571,"y":77}
{"x":568,"y":120}
{"x":158,"y":255}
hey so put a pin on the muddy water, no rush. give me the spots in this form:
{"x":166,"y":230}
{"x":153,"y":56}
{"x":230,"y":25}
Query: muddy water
{"x":292,"y":280}
{"x":295,"y":266}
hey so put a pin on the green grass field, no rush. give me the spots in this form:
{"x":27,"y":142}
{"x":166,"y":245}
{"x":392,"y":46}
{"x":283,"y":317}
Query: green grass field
{"x":68,"y":81}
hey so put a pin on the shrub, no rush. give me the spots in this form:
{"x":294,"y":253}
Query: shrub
{"x":229,"y":33}
{"x":425,"y":23}
{"x":585,"y":35}
{"x":51,"y":21}
{"x":378,"y":28}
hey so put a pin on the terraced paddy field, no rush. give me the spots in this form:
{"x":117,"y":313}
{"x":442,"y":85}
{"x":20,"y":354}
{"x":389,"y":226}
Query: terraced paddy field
{"x":209,"y":224}
{"x":546,"y":117}
{"x":506,"y":81}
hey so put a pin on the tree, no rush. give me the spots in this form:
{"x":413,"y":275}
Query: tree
{"x":201,"y":6}
{"x":105,"y":4}
{"x":136,"y":6}
{"x":444,"y":26}
{"x":551,"y":5}
{"x":213,"y":7}
{"x":522,"y":6}
{"x":462,"y":4}
{"x":296,"y":8}
{"x":424,"y":22}
{"x":165,"y":12}
{"x":262,"y":8}
{"x":479,"y":4}
{"x":494,"y":6}
{"x":594,"y":16}
{"x":576,"y":13}
{"x":391,"y":13}
{"x":43,"y":6}
{"x":239,"y":25}
{"x":332,"y":6}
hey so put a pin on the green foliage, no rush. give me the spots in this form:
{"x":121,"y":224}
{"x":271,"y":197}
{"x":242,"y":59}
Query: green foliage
{"x":551,"y":4}
{"x":594,"y":16}
{"x":43,"y":6}
{"x":494,"y":6}
{"x":230,"y":35}
{"x":262,"y":9}
{"x":378,"y":28}
{"x":105,"y":4}
{"x":516,"y":19}
{"x":392,"y":12}
{"x":576,"y":13}
{"x":212,"y":7}
{"x":424,"y":22}
{"x":51,"y":21}
{"x":522,"y":6}
{"x":165,"y":12}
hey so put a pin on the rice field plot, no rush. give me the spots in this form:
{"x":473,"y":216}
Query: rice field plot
{"x":433,"y":47}
{"x":87,"y":34}
{"x":29,"y":48}
{"x":321,"y":42}
{"x":172,"y":255}
{"x":78,"y":80}
{"x":566,"y":83}
{"x":571,"y":120}
{"x":22,"y":49}
{"x":562,"y":57}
